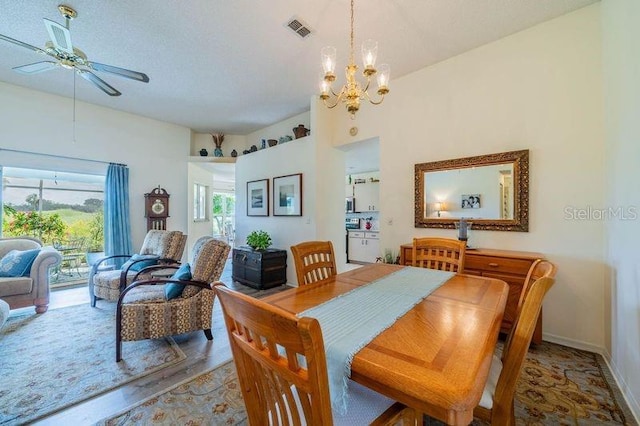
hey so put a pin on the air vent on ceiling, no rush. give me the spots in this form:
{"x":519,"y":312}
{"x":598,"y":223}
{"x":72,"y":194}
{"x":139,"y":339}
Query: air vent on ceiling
{"x":299,"y":27}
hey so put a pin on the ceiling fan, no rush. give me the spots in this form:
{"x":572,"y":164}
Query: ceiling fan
{"x":70,"y":57}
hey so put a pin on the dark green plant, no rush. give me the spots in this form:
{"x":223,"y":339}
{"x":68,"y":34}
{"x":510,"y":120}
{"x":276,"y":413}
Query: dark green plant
{"x":258,"y":240}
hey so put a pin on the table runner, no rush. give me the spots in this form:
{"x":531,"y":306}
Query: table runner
{"x":350,"y":321}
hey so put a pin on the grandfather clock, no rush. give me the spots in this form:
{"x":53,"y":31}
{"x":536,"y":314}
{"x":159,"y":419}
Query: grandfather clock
{"x":156,"y":208}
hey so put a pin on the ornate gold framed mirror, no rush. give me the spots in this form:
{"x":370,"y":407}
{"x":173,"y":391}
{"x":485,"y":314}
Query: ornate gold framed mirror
{"x":492,"y":191}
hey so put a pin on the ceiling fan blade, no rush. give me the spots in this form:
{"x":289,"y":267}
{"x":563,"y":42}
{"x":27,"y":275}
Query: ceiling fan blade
{"x":60,"y":36}
{"x":122,"y":72}
{"x":21,"y":44}
{"x":36,"y":67}
{"x":98,"y":82}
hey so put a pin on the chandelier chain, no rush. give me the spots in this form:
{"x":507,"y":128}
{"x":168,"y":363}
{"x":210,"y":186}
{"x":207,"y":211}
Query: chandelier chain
{"x":351,"y":57}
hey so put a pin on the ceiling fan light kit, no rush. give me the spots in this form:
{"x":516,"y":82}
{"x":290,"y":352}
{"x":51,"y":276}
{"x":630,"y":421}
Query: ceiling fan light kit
{"x":68,"y":56}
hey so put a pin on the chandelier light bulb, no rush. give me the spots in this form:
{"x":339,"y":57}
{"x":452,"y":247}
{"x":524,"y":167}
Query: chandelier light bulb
{"x":328,"y":55}
{"x":369,"y":54}
{"x":383,"y":78}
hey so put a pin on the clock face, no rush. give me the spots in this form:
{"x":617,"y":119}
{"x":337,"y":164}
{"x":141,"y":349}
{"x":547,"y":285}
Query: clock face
{"x":157,"y":207}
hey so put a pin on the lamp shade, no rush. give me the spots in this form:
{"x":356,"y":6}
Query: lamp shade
{"x":328,"y":55}
{"x":369,"y":53}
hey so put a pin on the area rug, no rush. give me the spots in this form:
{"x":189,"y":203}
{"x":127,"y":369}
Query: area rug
{"x":211,"y":398}
{"x":558,"y":386}
{"x":64,"y":356}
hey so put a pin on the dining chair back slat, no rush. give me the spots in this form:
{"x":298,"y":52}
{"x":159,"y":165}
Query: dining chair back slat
{"x":439,"y":253}
{"x":314,"y":261}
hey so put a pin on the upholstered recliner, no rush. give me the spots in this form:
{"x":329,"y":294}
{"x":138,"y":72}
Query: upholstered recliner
{"x":107,"y":283}
{"x":145,"y":311}
{"x":33,"y":289}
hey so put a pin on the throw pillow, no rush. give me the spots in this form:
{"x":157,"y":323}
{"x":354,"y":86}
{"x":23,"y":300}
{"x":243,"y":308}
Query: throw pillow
{"x":18,"y":263}
{"x":174,"y":290}
{"x":140,"y":261}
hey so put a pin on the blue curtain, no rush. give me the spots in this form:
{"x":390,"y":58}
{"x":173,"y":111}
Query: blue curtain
{"x":117,"y":224}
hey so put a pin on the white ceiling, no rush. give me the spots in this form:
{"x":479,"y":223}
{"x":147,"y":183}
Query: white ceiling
{"x":233,"y":66}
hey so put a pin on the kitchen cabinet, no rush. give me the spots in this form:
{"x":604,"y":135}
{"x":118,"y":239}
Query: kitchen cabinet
{"x":367,"y":196}
{"x":364,"y":246}
{"x":259,"y":269}
{"x":507,"y":265}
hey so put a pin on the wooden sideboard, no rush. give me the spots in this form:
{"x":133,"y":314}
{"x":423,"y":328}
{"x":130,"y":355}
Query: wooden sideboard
{"x":509,"y":266}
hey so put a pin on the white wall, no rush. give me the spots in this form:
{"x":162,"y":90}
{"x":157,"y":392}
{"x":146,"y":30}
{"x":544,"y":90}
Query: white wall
{"x":622,"y":103}
{"x":539,"y":89}
{"x":155,"y":152}
{"x":294,"y":157}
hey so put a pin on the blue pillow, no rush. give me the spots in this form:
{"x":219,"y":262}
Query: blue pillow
{"x":174,"y":290}
{"x":18,"y":263}
{"x":144,"y":261}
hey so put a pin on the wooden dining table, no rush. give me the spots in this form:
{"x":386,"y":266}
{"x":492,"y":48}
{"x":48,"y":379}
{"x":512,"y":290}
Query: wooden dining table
{"x":436,"y":357}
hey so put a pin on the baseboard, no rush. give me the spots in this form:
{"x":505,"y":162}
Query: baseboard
{"x":632,"y":403}
{"x":577,"y":344}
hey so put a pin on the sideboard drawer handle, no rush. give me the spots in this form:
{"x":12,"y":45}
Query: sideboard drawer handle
{"x":493,"y":265}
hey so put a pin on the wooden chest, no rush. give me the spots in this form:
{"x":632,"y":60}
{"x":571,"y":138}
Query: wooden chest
{"x":509,"y":266}
{"x":259,"y":269}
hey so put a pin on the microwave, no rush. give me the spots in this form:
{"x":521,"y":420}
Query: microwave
{"x":350,"y":205}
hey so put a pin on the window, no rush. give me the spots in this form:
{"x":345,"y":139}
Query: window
{"x":200,"y":202}
{"x":52,"y":206}
{"x":224,"y":208}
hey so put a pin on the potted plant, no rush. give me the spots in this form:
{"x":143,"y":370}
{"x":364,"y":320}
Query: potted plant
{"x":259,"y":240}
{"x":95,"y":249}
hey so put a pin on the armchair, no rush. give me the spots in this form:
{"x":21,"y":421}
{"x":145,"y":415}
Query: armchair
{"x":31,"y":290}
{"x":145,"y":311}
{"x":106,"y":282}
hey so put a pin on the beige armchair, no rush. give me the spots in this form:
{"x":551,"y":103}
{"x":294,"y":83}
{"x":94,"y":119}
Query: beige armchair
{"x":31,"y":290}
{"x":147,"y":309}
{"x":106,"y":282}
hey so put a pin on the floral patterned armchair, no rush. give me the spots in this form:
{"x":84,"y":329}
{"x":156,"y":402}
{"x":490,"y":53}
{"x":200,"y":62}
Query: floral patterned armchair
{"x":166,"y":247}
{"x":145,"y":311}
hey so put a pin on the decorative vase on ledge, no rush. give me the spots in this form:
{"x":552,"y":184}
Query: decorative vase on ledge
{"x":203,"y":152}
{"x":300,"y":131}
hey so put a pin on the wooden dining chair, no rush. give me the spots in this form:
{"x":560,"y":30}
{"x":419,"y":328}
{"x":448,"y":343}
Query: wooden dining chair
{"x":314,"y":261}
{"x":496,"y":404}
{"x":539,"y":269}
{"x":268,"y":344}
{"x":444,"y":254}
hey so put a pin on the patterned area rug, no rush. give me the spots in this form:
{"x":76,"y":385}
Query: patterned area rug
{"x":56,"y":359}
{"x":558,"y":386}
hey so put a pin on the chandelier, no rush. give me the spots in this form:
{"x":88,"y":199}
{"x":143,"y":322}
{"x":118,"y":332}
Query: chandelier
{"x":353,"y":92}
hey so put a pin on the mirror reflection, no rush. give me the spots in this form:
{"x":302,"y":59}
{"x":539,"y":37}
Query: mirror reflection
{"x":476,"y":192}
{"x":492,"y":190}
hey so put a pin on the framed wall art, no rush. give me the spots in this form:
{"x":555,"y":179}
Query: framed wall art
{"x":287,"y":195}
{"x":258,"y":198}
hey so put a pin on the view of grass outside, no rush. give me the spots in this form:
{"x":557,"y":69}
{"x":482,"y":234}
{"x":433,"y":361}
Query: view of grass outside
{"x":54,"y":207}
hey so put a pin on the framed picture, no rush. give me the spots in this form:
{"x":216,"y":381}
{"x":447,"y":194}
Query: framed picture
{"x":287,"y":195}
{"x":470,"y":201}
{"x":258,"y":198}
